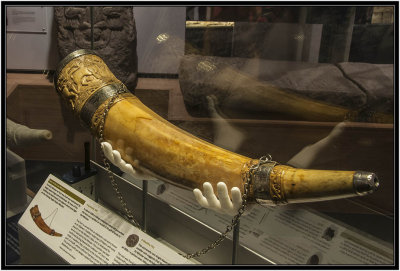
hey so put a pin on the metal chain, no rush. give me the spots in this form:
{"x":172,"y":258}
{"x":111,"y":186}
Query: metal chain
{"x":128,"y":212}
{"x":230,"y":227}
{"x":246,"y":177}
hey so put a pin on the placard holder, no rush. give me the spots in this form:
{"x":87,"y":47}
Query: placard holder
{"x":236,"y":229}
{"x":235,"y":242}
{"x":144,"y":205}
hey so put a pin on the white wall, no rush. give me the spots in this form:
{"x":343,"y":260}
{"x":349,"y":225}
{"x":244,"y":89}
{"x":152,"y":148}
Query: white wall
{"x":33,"y":51}
{"x":30,"y":51}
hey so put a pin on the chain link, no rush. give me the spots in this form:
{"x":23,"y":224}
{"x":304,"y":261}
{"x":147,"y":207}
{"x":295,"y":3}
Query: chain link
{"x":128,"y":212}
{"x":246,"y":177}
{"x":229,"y":228}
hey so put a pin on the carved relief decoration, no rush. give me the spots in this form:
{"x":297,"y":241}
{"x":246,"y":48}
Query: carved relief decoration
{"x":114,"y":37}
{"x":81,"y":77}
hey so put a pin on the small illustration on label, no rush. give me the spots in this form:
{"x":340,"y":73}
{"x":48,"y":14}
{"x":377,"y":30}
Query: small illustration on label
{"x":39,"y":221}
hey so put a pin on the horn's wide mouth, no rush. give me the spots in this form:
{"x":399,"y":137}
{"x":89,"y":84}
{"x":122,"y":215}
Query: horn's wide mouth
{"x":67,"y":59}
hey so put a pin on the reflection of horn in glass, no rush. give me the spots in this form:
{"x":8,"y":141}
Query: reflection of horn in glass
{"x":162,"y":38}
{"x":155,"y":146}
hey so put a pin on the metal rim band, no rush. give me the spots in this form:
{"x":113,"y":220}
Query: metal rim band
{"x":98,"y":98}
{"x":365,"y":182}
{"x":67,"y":59}
{"x":261,"y":181}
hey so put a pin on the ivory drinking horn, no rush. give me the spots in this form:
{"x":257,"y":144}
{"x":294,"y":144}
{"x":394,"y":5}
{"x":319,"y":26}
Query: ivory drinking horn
{"x":155,"y":146}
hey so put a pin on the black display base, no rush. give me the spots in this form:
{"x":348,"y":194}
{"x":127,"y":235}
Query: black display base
{"x":12,"y":240}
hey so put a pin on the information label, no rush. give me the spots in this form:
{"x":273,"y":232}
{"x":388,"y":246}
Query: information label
{"x":26,"y":19}
{"x":284,"y":235}
{"x":83,"y":232}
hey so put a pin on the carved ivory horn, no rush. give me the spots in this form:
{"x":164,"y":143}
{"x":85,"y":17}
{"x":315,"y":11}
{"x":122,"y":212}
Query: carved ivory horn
{"x":153,"y":145}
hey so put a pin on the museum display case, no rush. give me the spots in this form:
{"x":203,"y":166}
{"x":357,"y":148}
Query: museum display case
{"x":220,"y":135}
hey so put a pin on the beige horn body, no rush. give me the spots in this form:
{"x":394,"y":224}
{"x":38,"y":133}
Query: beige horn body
{"x":155,"y":146}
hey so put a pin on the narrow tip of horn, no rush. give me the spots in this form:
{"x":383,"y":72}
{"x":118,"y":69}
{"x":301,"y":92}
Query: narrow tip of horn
{"x":365,"y":182}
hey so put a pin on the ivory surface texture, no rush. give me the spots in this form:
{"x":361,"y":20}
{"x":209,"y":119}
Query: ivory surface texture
{"x":151,"y":144}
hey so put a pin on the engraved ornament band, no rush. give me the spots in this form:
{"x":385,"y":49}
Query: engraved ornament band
{"x":98,"y":98}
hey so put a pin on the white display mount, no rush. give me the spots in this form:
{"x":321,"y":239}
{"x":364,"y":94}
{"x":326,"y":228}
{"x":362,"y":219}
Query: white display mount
{"x":87,"y":233}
